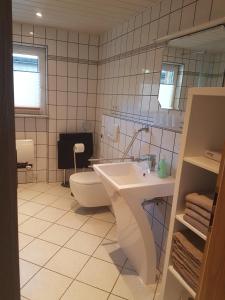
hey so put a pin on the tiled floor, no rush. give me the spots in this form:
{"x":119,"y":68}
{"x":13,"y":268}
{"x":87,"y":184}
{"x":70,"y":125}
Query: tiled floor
{"x":71,"y":254}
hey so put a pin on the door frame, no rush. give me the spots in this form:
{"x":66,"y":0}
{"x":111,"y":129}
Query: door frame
{"x":9,"y":258}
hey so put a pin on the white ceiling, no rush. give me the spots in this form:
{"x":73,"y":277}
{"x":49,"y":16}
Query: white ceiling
{"x":81,"y":15}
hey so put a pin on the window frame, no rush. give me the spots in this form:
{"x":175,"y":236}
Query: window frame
{"x":178,"y":76}
{"x":40,"y":51}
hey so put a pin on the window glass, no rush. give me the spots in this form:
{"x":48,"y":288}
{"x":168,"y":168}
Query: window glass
{"x":29,"y":71}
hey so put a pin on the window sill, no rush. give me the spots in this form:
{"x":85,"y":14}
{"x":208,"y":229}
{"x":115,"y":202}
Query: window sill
{"x":31,"y":116}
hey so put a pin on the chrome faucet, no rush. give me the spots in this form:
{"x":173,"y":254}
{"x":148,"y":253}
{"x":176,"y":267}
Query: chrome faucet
{"x":146,"y":129}
{"x":150,"y":158}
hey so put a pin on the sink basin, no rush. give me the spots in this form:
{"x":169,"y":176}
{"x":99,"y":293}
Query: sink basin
{"x":130,"y":180}
{"x":128,"y":186}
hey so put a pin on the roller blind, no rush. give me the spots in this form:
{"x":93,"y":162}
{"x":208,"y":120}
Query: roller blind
{"x":29,"y":70}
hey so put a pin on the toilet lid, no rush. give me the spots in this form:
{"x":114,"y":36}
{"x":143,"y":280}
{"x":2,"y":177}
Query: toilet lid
{"x":85,"y":178}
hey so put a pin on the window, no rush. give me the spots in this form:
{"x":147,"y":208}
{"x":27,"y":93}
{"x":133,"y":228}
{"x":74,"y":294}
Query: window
{"x":170,"y":85}
{"x":29,"y":69}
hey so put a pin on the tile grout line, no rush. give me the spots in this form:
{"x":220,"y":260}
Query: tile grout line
{"x":91,"y":256}
{"x":43,"y":267}
{"x":63,"y":246}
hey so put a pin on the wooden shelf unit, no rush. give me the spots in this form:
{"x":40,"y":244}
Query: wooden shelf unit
{"x":180,"y":218}
{"x":181,"y":281}
{"x":203,"y":129}
{"x":204,"y":163}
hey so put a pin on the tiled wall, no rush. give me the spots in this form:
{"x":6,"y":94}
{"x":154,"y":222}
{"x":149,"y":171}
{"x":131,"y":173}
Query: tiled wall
{"x":72,"y":83}
{"x":126,"y":71}
{"x":128,"y":84}
{"x":130,"y":60}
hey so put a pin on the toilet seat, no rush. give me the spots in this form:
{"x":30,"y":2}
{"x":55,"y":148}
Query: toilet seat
{"x":88,"y":189}
{"x":85,"y":178}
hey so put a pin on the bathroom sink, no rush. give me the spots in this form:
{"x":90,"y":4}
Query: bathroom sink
{"x":128,"y":186}
{"x":128,"y":179}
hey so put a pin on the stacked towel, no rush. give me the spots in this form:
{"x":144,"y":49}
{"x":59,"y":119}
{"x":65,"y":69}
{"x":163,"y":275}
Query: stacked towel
{"x":187,"y":255}
{"x":198,"y":211}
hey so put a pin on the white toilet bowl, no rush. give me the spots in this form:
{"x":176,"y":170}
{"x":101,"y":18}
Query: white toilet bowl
{"x":88,"y":190}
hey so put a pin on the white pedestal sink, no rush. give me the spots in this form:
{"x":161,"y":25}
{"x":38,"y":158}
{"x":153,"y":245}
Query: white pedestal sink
{"x":128,"y":187}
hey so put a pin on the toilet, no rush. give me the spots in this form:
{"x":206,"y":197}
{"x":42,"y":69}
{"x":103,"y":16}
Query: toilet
{"x":88,"y":189}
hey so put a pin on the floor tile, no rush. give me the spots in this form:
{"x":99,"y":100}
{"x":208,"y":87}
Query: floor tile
{"x":105,"y":214}
{"x":21,"y":187}
{"x":96,"y":227}
{"x":99,"y":274}
{"x":72,"y":220}
{"x":46,"y":285}
{"x":110,"y":251}
{"x":27,"y":270}
{"x":45,"y":199}
{"x":84,"y":211}
{"x":84,"y":242}
{"x":121,"y":289}
{"x":112,"y":234}
{"x":39,"y":252}
{"x":113,"y":297}
{"x":21,"y":202}
{"x":39,"y":187}
{"x":63,"y":203}
{"x":28,"y":194}
{"x":34,"y":227}
{"x":57,"y":191}
{"x":67,"y":262}
{"x":81,"y":291}
{"x":128,"y":265}
{"x":57,"y":234}
{"x":22,"y":218}
{"x":30,"y":208}
{"x":50,"y":214}
{"x":24,"y":240}
{"x":130,"y":286}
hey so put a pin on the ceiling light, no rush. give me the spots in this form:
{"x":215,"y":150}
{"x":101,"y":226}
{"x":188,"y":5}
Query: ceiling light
{"x":31,"y":33}
{"x":39,"y":14}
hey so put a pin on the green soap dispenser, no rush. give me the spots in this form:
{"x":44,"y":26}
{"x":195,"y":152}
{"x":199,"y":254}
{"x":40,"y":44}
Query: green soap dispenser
{"x":162,"y":168}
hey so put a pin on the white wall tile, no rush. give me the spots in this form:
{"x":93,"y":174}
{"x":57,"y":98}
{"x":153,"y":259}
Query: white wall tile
{"x":187,"y":19}
{"x":83,"y":51}
{"x":203,"y":10}
{"x":51,"y":33}
{"x":83,"y":38}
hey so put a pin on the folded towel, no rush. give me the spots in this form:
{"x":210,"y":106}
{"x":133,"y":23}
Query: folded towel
{"x":201,"y":200}
{"x":190,"y":264}
{"x":188,"y":277}
{"x":187,"y":267}
{"x":196,"y":217}
{"x":191,"y":244}
{"x":187,"y":256}
{"x":184,"y":254}
{"x":204,"y":213}
{"x":202,"y":228}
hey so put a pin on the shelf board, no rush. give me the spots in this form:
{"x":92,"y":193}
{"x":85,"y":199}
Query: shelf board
{"x":204,"y":163}
{"x":182,"y":281}
{"x":180,"y":218}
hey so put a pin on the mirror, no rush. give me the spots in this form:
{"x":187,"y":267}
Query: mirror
{"x":196,"y":60}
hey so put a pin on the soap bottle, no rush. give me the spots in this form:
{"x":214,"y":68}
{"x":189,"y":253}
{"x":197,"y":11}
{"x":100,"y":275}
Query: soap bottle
{"x":162,"y":168}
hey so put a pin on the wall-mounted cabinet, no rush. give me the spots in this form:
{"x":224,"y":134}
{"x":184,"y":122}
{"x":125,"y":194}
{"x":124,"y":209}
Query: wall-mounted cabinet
{"x":204,"y":129}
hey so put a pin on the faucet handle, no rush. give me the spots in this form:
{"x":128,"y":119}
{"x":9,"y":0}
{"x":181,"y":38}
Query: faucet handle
{"x":152,"y":162}
{"x":150,"y":158}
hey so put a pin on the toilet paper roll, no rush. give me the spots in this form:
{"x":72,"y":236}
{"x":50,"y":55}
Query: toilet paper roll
{"x":79,"y":148}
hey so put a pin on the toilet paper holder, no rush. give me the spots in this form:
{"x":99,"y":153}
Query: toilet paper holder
{"x":24,"y":166}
